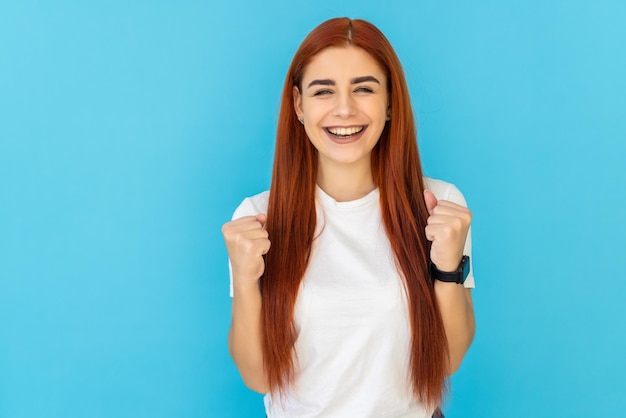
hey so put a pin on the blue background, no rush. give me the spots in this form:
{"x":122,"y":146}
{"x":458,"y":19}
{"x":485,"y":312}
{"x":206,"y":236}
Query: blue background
{"x":130,"y":131}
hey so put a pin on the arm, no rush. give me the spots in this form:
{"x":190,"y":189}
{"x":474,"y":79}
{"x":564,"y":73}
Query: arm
{"x":245,"y":339}
{"x":447,"y":229}
{"x":247,"y":241}
{"x":457,"y":313}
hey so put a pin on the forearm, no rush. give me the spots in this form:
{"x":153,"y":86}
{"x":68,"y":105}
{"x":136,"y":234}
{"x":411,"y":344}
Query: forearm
{"x":245,"y":338}
{"x":457,"y":313}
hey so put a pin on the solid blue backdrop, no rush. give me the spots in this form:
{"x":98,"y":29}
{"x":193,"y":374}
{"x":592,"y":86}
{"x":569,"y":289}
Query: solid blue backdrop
{"x":130,"y":131}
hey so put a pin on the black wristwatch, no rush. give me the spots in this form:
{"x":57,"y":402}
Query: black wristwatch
{"x":457,"y":276}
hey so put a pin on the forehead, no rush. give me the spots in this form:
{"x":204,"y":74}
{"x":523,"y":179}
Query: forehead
{"x":339,"y":63}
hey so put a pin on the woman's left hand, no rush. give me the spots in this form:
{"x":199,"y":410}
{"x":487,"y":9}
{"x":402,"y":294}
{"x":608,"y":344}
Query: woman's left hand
{"x":447,"y":228}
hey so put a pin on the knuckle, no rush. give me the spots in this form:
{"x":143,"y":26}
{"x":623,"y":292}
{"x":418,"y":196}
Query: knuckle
{"x":229,"y":236}
{"x":457,"y":224}
{"x":246,"y":245}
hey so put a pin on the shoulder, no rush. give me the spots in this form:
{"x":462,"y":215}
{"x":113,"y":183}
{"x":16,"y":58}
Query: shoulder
{"x":252,"y":205}
{"x":444,"y":191}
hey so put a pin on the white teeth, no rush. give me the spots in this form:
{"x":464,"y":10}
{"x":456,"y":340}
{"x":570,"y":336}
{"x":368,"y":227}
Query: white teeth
{"x":345,"y":131}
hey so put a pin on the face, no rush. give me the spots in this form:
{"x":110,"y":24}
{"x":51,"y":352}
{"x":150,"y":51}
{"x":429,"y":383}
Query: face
{"x":344,"y":104}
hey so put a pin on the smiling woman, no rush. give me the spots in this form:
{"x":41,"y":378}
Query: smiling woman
{"x":351,"y":275}
{"x":343,"y":116}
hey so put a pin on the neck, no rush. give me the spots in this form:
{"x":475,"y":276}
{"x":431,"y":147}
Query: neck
{"x":345,"y":182}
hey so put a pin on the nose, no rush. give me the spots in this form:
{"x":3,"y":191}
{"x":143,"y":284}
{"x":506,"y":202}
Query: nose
{"x":344,"y":105}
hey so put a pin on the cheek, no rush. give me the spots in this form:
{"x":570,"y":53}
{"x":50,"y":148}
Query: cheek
{"x":381,"y":114}
{"x":314,"y":118}
{"x":313,"y":133}
{"x":378,"y":109}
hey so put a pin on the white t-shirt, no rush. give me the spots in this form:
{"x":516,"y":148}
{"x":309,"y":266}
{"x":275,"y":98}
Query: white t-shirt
{"x":351,"y":315}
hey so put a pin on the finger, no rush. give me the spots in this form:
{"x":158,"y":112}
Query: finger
{"x":258,"y":247}
{"x":266,"y":247}
{"x":436,"y":232}
{"x":430,"y":233}
{"x":457,"y":211}
{"x":453,"y":220}
{"x":451,"y":204}
{"x":244,"y":219}
{"x":443,"y":214}
{"x":445,"y":204}
{"x":446,"y":233}
{"x":251,"y":235}
{"x":242,"y":230}
{"x":431,"y":201}
{"x":244,"y":247}
{"x":246,"y":223}
{"x":255,"y":234}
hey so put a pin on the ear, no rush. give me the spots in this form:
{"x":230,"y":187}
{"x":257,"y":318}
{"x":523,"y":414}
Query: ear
{"x":297,"y":102}
{"x":388,"y":113}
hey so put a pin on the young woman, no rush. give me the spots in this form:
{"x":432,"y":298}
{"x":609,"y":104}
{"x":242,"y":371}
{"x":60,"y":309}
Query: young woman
{"x":350,"y":276}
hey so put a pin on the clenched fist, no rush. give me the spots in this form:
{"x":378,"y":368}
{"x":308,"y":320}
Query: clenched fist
{"x":247,"y":242}
{"x":447,"y":228}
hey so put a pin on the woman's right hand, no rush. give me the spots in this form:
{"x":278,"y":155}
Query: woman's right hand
{"x":247,"y":242}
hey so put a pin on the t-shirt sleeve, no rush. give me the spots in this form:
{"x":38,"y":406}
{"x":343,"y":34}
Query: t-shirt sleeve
{"x":454,"y":195}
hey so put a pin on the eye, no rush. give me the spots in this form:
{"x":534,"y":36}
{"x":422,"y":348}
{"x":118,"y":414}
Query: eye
{"x":363,"y":89}
{"x":322,"y":92}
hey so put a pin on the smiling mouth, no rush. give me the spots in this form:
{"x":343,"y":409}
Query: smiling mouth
{"x":344,"y":133}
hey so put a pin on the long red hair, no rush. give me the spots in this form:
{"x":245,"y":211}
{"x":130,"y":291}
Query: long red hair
{"x":291,"y":219}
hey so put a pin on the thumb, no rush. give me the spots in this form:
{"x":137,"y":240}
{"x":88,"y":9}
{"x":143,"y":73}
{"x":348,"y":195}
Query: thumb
{"x":431,"y":201}
{"x":262,"y":217}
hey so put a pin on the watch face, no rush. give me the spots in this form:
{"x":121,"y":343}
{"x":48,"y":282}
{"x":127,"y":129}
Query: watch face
{"x":466,"y":268}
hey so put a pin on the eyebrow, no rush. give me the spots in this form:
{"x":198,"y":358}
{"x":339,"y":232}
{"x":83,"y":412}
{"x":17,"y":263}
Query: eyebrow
{"x":357,"y":80}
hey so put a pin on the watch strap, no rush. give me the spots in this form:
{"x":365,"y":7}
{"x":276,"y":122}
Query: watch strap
{"x":457,"y":276}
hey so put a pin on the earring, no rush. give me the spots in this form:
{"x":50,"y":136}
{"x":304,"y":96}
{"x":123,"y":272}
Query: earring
{"x":301,"y":120}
